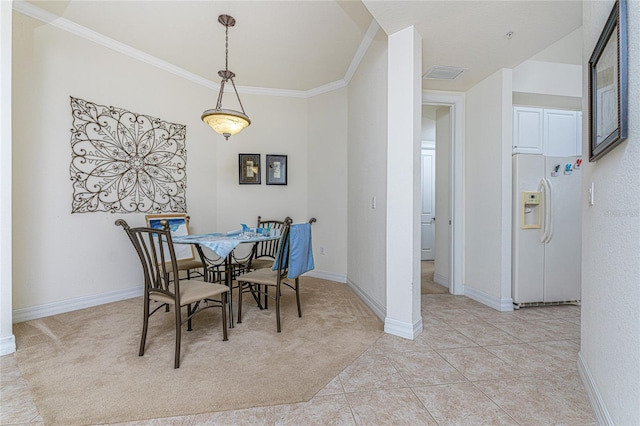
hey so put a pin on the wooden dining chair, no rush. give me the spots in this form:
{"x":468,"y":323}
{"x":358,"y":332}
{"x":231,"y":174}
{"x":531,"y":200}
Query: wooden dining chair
{"x":257,"y":282}
{"x":158,"y":259}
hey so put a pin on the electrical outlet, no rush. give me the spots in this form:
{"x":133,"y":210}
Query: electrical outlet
{"x":322,"y":251}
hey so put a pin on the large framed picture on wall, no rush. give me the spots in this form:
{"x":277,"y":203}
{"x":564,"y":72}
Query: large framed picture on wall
{"x":608,"y":104}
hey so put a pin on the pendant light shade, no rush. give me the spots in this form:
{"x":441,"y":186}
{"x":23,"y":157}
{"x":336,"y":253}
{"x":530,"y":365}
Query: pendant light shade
{"x":226,"y":122}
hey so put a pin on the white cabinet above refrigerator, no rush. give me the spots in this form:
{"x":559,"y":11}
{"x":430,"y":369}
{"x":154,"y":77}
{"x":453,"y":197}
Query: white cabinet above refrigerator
{"x":550,"y":132}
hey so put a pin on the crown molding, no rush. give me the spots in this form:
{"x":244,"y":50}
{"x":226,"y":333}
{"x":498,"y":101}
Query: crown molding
{"x":362,"y":50}
{"x":66,"y":25}
{"x":265,"y":91}
{"x":329,"y":87}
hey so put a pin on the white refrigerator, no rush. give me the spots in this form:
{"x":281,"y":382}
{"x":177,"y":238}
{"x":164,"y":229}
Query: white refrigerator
{"x":546,"y":246}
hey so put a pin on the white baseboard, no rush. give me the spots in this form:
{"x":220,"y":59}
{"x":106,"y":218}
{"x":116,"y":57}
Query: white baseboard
{"x":502,"y":305}
{"x":597,"y":403}
{"x":7,"y":345}
{"x":403,"y":329}
{"x":331,"y":276}
{"x":379,"y":310}
{"x":41,"y":311}
{"x":48,"y":309}
{"x":441,"y":279}
{"x":391,"y":326}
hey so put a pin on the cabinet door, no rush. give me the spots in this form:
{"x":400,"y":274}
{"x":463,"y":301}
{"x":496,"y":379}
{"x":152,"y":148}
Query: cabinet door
{"x":527,"y":130}
{"x":559,"y":133}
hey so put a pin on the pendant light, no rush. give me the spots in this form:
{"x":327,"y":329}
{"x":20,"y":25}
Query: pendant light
{"x":226,"y":122}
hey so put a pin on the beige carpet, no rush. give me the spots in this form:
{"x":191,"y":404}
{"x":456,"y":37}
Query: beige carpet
{"x":83,"y":367}
{"x":429,"y":286}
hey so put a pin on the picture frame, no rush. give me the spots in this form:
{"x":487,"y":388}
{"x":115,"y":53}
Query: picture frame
{"x":608,"y":103}
{"x":276,"y":169}
{"x":179,"y":226}
{"x":249,"y":169}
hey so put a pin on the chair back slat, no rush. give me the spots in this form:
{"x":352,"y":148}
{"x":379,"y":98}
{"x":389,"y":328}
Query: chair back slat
{"x":157,"y":257}
{"x":269,"y":248}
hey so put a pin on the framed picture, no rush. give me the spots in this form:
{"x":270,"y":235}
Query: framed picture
{"x":179,"y":225}
{"x":608,"y":105}
{"x":249,"y":167}
{"x":276,"y":169}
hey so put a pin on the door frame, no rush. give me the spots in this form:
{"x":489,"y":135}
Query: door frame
{"x":455,"y":101}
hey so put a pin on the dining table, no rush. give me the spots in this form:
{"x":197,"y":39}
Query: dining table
{"x":223,"y":245}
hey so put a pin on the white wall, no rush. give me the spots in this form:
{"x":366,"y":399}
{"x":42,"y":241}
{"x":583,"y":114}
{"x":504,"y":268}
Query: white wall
{"x":443,"y":195}
{"x":65,"y":261}
{"x":548,"y":78}
{"x":367,"y":162}
{"x":7,"y":340}
{"x":610,"y":343}
{"x":327,"y":176}
{"x":279,"y":126}
{"x":567,"y":50}
{"x":487,"y":192}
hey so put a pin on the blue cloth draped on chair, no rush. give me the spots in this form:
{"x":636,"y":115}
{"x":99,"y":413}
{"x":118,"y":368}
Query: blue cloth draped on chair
{"x":300,"y":249}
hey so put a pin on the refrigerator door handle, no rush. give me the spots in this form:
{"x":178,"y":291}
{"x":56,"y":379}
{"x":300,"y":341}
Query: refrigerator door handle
{"x":544,"y":188}
{"x":549,"y":210}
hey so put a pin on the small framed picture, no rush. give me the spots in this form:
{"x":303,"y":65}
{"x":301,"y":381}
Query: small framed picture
{"x":276,"y":169}
{"x":249,"y":167}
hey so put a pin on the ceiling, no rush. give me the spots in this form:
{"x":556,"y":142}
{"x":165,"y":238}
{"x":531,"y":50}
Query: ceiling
{"x":305,"y":44}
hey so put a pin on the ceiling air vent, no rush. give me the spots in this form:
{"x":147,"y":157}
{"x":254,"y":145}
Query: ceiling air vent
{"x":441,"y":72}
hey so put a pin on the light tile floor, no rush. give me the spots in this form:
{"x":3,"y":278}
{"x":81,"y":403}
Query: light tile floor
{"x":471,"y":365}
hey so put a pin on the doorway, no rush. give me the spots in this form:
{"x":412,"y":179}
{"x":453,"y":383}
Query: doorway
{"x":447,"y":110}
{"x":435,"y":196}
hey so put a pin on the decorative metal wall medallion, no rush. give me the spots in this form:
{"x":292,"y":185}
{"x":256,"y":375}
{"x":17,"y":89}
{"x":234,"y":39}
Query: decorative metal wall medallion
{"x":123,"y":162}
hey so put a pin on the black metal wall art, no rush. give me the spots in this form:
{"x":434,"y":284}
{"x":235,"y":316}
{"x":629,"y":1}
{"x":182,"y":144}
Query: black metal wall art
{"x":123,"y":162}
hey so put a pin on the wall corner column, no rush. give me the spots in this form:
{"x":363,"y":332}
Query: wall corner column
{"x":403,"y":317}
{"x":7,"y":339}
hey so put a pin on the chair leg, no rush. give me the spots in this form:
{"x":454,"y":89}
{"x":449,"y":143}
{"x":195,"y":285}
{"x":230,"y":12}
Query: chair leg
{"x":298,"y":297}
{"x":189,"y":317}
{"x":240,"y":287}
{"x":277,"y":306}
{"x":176,"y":362}
{"x":145,"y":325}
{"x":256,"y":293}
{"x":266,"y":297}
{"x":224,"y":316}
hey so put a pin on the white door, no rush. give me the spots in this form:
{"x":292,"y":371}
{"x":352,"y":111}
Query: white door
{"x":427,"y":213}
